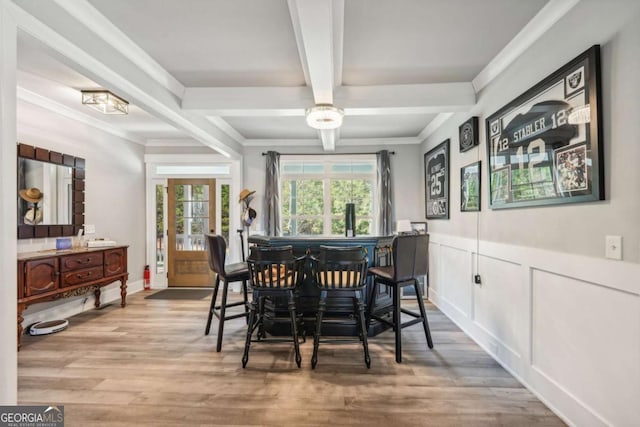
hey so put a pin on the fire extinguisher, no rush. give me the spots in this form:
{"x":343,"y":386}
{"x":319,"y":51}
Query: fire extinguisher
{"x":147,"y":278}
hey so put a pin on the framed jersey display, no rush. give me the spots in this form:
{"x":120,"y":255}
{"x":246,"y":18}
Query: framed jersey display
{"x":436,"y":181}
{"x":545,"y":147}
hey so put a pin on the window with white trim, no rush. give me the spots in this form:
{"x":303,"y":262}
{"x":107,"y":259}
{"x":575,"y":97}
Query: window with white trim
{"x":315,"y":190}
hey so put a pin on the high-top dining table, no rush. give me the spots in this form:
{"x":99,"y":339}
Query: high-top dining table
{"x":276,"y":311}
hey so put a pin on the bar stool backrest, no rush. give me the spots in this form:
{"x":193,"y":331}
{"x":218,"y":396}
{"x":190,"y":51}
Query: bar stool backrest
{"x":339,"y":267}
{"x":410,"y":256}
{"x":274,"y":267}
{"x":216,"y":253}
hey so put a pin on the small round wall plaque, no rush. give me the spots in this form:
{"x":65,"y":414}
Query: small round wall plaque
{"x":468,"y":134}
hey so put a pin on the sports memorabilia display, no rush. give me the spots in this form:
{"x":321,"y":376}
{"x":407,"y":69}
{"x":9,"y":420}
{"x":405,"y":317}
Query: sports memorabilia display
{"x":470,"y":187}
{"x":545,"y":147}
{"x":468,"y":134}
{"x":436,"y":180}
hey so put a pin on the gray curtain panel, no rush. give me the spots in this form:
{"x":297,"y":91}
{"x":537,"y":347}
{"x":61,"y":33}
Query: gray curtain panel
{"x":385,"y":216}
{"x":272,"y":195}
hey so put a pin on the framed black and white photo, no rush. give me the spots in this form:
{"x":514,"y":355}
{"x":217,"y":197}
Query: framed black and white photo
{"x":436,"y":181}
{"x":468,"y":134}
{"x":546,"y":147}
{"x":470,"y":187}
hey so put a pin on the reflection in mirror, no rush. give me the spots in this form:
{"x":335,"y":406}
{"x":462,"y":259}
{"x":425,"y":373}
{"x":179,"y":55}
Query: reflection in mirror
{"x":50,"y":193}
{"x":45,"y":193}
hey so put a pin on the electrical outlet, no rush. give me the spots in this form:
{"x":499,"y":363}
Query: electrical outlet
{"x":477,"y":280}
{"x":89,"y":229}
{"x":613,"y":247}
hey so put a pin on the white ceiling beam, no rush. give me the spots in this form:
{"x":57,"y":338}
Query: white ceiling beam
{"x":356,"y":100}
{"x":530,"y":33}
{"x":328,"y":138}
{"x":84,"y":12}
{"x":338,"y":40}
{"x":319,"y":27}
{"x":119,"y":75}
{"x":314,"y":21}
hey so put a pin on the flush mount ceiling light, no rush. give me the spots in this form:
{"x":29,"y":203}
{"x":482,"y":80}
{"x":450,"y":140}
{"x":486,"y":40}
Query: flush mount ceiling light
{"x":105,"y":102}
{"x":324,"y":116}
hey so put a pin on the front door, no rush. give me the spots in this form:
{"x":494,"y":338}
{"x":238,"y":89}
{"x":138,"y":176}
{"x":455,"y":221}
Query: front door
{"x":191,"y":206}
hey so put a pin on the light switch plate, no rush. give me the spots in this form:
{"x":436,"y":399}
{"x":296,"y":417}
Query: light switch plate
{"x":89,"y":229}
{"x":613,"y":247}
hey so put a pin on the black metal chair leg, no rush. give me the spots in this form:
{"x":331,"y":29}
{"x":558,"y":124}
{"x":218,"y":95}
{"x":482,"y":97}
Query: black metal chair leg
{"x":294,"y":331}
{"x":213,"y":305}
{"x":371,"y":303}
{"x":423,"y":313}
{"x":261,"y":333}
{"x":316,"y":337}
{"x":223,"y":308}
{"x":247,"y":343}
{"x":361,"y":322}
{"x":246,"y":299}
{"x":397,"y":323}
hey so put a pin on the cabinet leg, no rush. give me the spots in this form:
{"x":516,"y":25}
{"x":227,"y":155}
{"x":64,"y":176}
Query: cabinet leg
{"x":97,"y":294}
{"x":123,"y":291}
{"x":21,"y":308}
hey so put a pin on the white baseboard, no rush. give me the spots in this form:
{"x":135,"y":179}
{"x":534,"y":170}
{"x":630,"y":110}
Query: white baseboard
{"x":69,"y":307}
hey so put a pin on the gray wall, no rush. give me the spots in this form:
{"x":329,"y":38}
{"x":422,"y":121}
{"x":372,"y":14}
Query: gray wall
{"x":406,"y":171}
{"x":114,"y":183}
{"x":575,"y":228}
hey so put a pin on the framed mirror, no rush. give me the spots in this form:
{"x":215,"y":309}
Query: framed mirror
{"x":50,"y":193}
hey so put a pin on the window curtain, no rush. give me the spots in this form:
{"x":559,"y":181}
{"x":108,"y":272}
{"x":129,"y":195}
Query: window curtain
{"x":272,"y":194}
{"x":385,"y":215}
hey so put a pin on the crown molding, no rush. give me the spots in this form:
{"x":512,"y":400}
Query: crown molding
{"x":530,"y":33}
{"x":434,"y":125}
{"x":344,"y":142}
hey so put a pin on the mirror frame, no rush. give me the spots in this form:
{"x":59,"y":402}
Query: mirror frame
{"x":78,"y":166}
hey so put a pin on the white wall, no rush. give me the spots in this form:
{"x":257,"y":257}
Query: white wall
{"x":551,"y":309}
{"x":406,"y":175}
{"x":114,"y":195}
{"x":8,"y":219}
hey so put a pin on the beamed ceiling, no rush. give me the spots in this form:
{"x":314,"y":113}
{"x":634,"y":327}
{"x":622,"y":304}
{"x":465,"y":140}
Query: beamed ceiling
{"x":229,"y":74}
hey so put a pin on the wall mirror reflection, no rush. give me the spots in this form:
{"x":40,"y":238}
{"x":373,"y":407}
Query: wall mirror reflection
{"x":50,"y":193}
{"x":45,"y":193}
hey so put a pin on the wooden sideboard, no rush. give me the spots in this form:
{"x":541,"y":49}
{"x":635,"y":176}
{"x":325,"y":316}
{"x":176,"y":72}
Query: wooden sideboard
{"x":50,"y":275}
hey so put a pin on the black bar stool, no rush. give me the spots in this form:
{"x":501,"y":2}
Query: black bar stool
{"x":340,"y":271}
{"x":217,"y":252}
{"x":409,"y":254}
{"x":273,"y":272}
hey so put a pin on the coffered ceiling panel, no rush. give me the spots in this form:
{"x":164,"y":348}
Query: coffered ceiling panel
{"x":213,"y":42}
{"x":427,"y":41}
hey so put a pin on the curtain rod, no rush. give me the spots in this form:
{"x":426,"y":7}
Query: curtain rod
{"x":327,"y":154}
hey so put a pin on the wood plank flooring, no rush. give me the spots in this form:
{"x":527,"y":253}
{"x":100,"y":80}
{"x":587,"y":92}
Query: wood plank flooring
{"x":151,"y":365}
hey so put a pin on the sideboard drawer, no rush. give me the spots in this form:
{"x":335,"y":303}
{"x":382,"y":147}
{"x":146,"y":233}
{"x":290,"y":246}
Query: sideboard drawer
{"x":76,"y":262}
{"x":78,"y":277}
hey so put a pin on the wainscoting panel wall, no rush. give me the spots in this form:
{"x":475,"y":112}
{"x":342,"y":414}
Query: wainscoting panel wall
{"x":567,"y":326}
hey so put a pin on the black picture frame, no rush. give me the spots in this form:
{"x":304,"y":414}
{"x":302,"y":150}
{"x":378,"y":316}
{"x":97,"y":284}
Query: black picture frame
{"x":436,"y":181}
{"x":471,"y":187}
{"x":468,"y":136}
{"x":546,"y":146}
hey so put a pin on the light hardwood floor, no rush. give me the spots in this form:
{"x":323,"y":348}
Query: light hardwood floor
{"x":150,"y":364}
